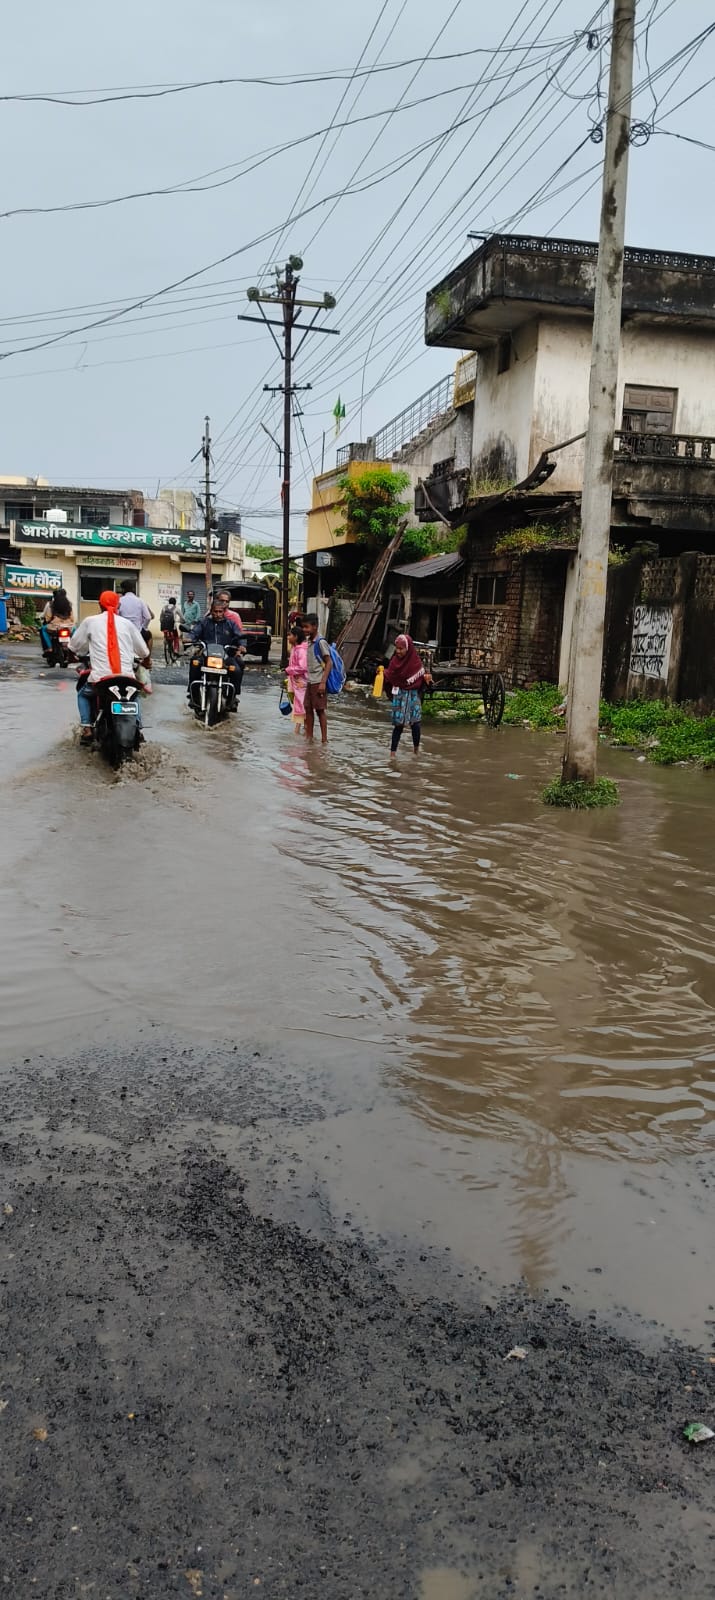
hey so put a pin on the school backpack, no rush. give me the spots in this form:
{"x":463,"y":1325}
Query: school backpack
{"x":336,"y":676}
{"x":167,"y":620}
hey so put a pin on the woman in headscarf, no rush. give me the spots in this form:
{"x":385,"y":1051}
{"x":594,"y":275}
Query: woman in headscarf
{"x":57,"y":614}
{"x":405,"y":682}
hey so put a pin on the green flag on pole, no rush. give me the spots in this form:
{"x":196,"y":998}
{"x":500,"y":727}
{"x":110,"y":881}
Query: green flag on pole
{"x":338,"y":413}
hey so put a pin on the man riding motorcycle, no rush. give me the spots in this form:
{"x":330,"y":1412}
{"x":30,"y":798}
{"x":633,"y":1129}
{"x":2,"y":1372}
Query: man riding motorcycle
{"x":112,"y":644}
{"x":216,"y":629}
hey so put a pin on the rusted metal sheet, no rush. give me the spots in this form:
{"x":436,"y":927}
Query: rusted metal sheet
{"x":354,"y":634}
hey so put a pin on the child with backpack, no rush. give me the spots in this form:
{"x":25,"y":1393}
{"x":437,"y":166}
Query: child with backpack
{"x":325,"y":674}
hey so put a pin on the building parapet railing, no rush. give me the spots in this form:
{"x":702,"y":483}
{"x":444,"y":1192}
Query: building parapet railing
{"x":685,"y":447}
{"x":584,"y":249}
{"x":406,"y":426}
{"x":403,"y":428}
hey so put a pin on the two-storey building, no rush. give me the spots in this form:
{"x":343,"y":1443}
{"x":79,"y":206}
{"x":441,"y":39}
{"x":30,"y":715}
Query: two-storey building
{"x":525,"y":307}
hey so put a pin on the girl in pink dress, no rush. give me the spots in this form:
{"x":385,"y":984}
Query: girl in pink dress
{"x":297,"y":673}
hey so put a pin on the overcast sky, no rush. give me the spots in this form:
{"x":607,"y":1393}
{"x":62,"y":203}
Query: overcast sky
{"x":123,"y":405}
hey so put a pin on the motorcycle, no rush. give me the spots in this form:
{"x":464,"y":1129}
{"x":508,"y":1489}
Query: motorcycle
{"x":116,"y":729}
{"x":212,"y":691}
{"x":58,"y":653}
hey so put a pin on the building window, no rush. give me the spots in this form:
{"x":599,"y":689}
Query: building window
{"x":489,"y":589}
{"x":92,"y":517}
{"x":648,"y":410}
{"x":93,"y":581}
{"x":19,"y":511}
{"x":395,"y":612}
{"x":504,"y":354}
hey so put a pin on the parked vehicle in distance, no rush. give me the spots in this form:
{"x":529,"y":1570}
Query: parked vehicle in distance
{"x":256,"y":606}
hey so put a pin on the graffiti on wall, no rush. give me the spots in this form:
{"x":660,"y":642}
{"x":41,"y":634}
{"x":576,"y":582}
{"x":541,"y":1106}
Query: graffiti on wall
{"x":650,"y":641}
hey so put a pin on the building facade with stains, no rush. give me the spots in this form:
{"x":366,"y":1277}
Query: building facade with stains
{"x":524,"y":307}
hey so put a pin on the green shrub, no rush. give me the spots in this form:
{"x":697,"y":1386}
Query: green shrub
{"x":578,"y":796}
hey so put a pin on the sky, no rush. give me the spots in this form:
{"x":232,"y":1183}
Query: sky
{"x":479,"y":120}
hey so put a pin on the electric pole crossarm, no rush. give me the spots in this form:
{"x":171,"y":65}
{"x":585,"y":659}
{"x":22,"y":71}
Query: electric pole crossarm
{"x":300,"y":327}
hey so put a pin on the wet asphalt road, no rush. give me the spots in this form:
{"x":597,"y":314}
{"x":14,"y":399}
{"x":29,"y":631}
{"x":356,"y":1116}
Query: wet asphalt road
{"x":199,"y":1397}
{"x":215,"y":1379}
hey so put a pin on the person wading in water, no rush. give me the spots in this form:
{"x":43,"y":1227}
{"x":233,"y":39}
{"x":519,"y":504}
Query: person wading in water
{"x":405,"y":683}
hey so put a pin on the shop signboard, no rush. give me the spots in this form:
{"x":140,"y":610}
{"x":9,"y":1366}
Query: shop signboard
{"x":32,"y":580}
{"x":134,"y":563}
{"x":157,"y":540}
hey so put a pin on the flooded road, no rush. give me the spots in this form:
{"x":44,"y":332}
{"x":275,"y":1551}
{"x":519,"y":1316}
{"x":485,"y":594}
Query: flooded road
{"x":505,"y":1014}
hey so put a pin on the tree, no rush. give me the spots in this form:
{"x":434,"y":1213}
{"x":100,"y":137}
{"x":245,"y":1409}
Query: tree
{"x":264,"y":552}
{"x":372,"y":505}
{"x":373,"y":508}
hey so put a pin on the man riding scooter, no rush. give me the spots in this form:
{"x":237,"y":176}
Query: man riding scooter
{"x":112,"y":644}
{"x":217,"y":630}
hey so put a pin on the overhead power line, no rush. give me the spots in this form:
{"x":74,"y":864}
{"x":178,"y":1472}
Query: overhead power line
{"x":157,"y":91}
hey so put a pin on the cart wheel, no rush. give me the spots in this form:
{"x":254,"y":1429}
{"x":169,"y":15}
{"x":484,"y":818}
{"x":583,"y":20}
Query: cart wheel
{"x":494,"y":698}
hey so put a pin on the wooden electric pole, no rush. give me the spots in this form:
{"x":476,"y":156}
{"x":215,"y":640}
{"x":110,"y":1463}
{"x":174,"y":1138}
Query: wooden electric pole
{"x":286,"y":297}
{"x":586,"y":662}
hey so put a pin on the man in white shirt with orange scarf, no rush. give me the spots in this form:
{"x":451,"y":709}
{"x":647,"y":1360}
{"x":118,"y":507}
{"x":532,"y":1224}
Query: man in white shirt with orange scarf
{"x":112,"y":644}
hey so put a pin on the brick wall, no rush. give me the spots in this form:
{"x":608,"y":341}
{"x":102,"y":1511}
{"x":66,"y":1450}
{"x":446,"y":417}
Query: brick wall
{"x":489,"y":633}
{"x":542,"y":610}
{"x":522,"y":637}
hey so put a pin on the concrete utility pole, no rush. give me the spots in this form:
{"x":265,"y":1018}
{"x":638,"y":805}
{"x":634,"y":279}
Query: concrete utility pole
{"x":584,"y":687}
{"x":208,"y":515}
{"x":286,"y":297}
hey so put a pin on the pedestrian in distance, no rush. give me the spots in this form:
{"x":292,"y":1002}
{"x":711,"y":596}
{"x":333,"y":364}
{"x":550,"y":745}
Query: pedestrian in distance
{"x":405,"y":683}
{"x":319,"y":666}
{"x":191,"y":610}
{"x":137,"y":611}
{"x":170,"y":622}
{"x":297,"y":674}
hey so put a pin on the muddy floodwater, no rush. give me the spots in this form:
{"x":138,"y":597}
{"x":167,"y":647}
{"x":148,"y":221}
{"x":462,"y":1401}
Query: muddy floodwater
{"x":510,"y":1010}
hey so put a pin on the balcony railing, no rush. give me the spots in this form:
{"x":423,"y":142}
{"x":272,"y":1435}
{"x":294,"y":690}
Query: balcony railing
{"x":409,"y":423}
{"x":683,"y":447}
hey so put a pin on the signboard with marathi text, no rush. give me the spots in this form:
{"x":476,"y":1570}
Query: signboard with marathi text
{"x":650,"y":642}
{"x":158,"y":540}
{"x":32,"y":580}
{"x":112,"y":560}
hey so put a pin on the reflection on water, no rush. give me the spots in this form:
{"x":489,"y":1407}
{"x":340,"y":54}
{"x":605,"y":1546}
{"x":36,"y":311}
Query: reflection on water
{"x":518,"y":1003}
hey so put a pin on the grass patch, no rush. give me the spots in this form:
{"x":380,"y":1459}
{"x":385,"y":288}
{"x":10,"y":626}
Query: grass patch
{"x":453,"y":707}
{"x":665,"y":733}
{"x":581,"y":796}
{"x":539,"y":536}
{"x":536,"y":707}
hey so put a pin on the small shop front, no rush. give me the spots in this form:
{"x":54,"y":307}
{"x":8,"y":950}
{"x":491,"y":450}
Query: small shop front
{"x":95,"y":559}
{"x":95,"y":574}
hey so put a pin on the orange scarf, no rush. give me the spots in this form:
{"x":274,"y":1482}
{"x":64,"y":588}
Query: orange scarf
{"x":109,"y":601}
